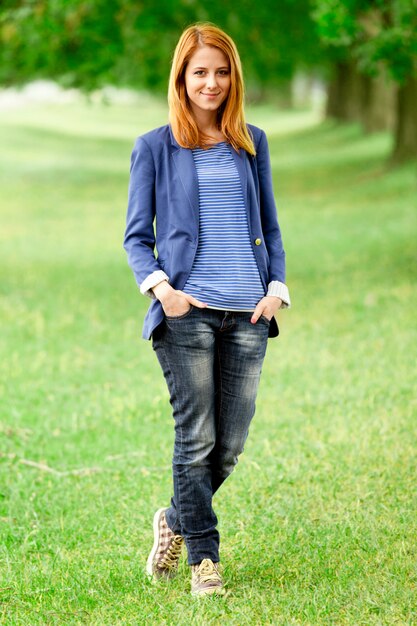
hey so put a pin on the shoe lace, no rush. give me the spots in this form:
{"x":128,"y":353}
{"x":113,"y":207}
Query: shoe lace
{"x":170,"y":558}
{"x":207,"y":572}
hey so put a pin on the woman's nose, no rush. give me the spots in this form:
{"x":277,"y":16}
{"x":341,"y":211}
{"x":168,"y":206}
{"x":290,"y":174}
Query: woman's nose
{"x":211,"y":81}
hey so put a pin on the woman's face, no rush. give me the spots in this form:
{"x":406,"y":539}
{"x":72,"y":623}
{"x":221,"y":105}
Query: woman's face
{"x":207,"y":79}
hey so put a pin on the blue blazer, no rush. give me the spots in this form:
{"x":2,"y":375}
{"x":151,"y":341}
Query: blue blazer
{"x":164,"y":188}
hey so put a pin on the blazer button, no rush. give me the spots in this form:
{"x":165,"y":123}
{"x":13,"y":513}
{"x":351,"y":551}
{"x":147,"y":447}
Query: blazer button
{"x":258,"y":242}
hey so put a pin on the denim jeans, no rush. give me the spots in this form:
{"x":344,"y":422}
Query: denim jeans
{"x":212,"y":362}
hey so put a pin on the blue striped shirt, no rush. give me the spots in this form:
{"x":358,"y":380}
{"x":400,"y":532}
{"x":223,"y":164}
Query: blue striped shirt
{"x":224,"y":273}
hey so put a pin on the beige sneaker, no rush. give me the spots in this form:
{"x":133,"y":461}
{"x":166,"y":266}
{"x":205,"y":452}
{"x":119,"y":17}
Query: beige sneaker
{"x":166,"y":550}
{"x":206,"y":579}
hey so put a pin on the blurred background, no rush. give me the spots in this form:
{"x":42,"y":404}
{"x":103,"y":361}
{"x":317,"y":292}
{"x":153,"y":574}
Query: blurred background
{"x":85,"y":424}
{"x":359,"y":57}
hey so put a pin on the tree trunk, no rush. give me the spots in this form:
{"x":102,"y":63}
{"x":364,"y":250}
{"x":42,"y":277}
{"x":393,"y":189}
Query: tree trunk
{"x":406,"y":122}
{"x":378,"y":103}
{"x":345,"y":93}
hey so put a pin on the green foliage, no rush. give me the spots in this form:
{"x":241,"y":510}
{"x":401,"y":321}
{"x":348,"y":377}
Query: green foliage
{"x":91,"y":42}
{"x":393,"y":41}
{"x":76,"y":42}
{"x":274,"y":38}
{"x":337,"y":22}
{"x":375,"y":31}
{"x":318,"y":522}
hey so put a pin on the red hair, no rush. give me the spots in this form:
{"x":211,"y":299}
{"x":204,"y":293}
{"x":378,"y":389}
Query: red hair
{"x":231,"y":117}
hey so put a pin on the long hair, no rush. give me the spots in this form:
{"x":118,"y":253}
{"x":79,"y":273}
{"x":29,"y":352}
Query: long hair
{"x":230,"y":115}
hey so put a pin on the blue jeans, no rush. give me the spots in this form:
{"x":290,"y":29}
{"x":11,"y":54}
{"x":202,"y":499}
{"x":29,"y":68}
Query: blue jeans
{"x":212,"y":362}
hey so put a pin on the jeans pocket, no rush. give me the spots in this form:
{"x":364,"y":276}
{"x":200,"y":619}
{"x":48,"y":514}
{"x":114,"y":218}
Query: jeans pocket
{"x":172,"y":318}
{"x":265,"y":319}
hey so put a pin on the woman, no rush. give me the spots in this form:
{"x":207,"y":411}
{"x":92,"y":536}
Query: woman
{"x":216,"y":283}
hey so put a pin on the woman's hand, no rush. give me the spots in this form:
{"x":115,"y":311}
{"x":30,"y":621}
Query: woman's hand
{"x":268,"y":306}
{"x":174,"y":301}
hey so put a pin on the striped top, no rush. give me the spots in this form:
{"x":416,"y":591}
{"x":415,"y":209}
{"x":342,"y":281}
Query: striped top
{"x":224,"y":273}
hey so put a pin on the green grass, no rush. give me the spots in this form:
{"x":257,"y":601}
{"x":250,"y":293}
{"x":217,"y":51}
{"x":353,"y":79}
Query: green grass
{"x":318,"y":521}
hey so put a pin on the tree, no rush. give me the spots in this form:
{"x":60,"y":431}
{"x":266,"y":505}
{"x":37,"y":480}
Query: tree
{"x":76,"y":42}
{"x":375,"y":37}
{"x":88,"y":43}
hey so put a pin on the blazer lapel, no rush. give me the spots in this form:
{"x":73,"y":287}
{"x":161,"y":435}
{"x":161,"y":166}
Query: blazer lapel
{"x":184,"y":162}
{"x":185,"y":166}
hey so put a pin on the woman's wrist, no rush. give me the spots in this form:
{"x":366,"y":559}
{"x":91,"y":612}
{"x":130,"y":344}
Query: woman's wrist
{"x":162,"y":289}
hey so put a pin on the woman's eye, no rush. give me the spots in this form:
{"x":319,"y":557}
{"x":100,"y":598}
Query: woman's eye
{"x":224,"y":72}
{"x":198,"y":72}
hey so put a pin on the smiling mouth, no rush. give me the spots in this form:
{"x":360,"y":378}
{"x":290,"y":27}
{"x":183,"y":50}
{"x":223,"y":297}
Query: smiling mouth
{"x":209,"y":94}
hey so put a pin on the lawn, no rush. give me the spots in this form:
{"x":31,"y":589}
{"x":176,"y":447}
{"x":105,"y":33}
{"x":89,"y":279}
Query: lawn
{"x":319,"y":520}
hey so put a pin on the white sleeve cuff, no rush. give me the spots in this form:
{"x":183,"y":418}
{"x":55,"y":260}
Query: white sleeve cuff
{"x":279,"y":290}
{"x":150,"y":281}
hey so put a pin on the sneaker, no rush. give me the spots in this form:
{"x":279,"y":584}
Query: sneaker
{"x":166,"y":550}
{"x":206,"y":579}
